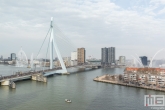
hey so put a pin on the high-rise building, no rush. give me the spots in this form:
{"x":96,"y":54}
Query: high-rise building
{"x":13,"y":56}
{"x":144,"y":60}
{"x":74,"y":55}
{"x":122,"y":60}
{"x":108,"y":56}
{"x":111,"y":55}
{"x":9,"y":58}
{"x":1,"y":57}
{"x":80,"y":56}
{"x":104,"y":56}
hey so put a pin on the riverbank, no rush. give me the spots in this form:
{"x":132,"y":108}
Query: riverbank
{"x":117,"y":82}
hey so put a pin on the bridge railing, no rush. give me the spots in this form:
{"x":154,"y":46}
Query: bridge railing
{"x":17,"y":74}
{"x":24,"y":73}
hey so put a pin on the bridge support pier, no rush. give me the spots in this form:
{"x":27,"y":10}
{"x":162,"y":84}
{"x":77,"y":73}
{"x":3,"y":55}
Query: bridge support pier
{"x":39,"y":77}
{"x":65,"y":73}
{"x":9,"y":83}
{"x":5,"y":83}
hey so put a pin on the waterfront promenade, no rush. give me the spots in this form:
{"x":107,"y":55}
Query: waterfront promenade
{"x":114,"y":79}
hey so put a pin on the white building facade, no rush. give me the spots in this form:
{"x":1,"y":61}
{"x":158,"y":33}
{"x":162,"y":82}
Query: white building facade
{"x":122,"y":60}
{"x":74,"y":55}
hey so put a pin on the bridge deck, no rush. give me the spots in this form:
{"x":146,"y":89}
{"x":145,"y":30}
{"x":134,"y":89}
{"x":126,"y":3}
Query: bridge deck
{"x":27,"y":75}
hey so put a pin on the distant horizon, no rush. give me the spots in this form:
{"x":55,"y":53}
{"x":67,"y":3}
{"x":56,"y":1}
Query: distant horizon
{"x":149,"y":58}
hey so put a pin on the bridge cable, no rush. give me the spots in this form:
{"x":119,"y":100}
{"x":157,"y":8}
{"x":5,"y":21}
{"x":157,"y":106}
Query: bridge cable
{"x":63,"y":41}
{"x":62,"y":36}
{"x":46,"y":54}
{"x":42,"y":43}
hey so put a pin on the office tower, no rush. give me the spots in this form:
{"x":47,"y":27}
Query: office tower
{"x":122,"y":60}
{"x":9,"y":58}
{"x":144,"y":60}
{"x":80,"y":56}
{"x":13,"y":56}
{"x":1,"y":57}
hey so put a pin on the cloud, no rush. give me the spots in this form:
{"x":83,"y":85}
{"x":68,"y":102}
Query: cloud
{"x":88,"y":23}
{"x":162,"y":11}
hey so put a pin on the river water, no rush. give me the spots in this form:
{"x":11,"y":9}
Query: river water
{"x":85,"y":93}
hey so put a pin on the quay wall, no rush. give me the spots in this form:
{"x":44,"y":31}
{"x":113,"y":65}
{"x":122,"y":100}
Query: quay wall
{"x":100,"y":79}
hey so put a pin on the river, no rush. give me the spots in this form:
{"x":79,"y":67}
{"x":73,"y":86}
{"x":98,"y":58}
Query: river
{"x":85,"y":93}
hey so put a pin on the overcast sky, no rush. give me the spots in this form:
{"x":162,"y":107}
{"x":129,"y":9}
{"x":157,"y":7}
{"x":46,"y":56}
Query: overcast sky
{"x":132,"y":26}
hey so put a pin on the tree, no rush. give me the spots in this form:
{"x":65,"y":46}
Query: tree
{"x":120,"y":77}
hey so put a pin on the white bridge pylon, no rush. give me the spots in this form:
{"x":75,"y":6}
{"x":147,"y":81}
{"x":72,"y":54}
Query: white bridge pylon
{"x":52,"y":44}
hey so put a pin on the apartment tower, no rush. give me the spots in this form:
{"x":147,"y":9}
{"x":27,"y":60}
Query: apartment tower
{"x":108,"y":56}
{"x":80,"y":56}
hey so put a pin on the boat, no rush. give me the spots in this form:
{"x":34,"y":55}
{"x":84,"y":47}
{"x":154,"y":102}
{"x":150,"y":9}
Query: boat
{"x":67,"y":100}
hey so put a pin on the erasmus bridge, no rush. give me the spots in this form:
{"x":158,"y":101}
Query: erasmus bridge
{"x":42,"y":75}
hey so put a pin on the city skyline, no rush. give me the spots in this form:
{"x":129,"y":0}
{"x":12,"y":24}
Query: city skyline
{"x":133,"y":56}
{"x":132,"y":27}
{"x":82,"y":54}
